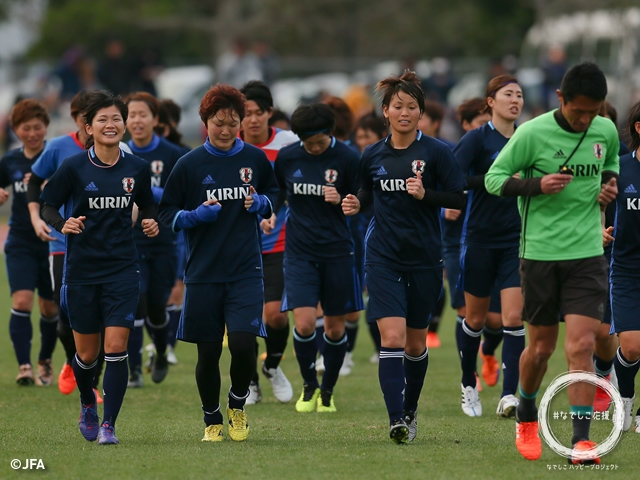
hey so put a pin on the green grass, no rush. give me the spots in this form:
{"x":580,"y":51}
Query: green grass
{"x":160,"y":427}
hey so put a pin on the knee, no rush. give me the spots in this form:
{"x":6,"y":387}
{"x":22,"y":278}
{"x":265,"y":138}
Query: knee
{"x":512,"y":318}
{"x":631,"y":351}
{"x":24,"y":303}
{"x":542,"y":350}
{"x":48,"y":308}
{"x":242,"y":343}
{"x":276,"y":319}
{"x":393,"y":339}
{"x":334,"y":331}
{"x":581,"y":347}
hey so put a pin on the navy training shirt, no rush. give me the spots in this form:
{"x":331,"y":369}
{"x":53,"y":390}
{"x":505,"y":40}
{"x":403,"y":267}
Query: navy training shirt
{"x":490,"y":221}
{"x":228,"y":249}
{"x":317,"y":230}
{"x":13,"y":167}
{"x":105,"y":194}
{"x":625,"y":253}
{"x":161,"y":156}
{"x":404,"y":233}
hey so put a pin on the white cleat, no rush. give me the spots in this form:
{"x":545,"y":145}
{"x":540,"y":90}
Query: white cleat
{"x":507,"y":406}
{"x":375,"y":359}
{"x":279,"y":382}
{"x":171,"y":356}
{"x":637,"y":426}
{"x":627,"y":405}
{"x":471,"y":401}
{"x":320,"y":364}
{"x":347,"y":364}
{"x":411,"y":419}
{"x":255,"y":394}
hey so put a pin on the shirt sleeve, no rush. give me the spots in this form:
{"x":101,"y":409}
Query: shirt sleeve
{"x":278,"y":172}
{"x":5,"y":181}
{"x":174,"y":195}
{"x":60,"y":186}
{"x":47,"y":163}
{"x":144,"y":194}
{"x":465,"y":152}
{"x":448,"y":172}
{"x":268,"y":185}
{"x":353,"y":172}
{"x":612,"y":160}
{"x":517,"y":155}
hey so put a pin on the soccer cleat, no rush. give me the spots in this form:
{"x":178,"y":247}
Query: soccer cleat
{"x":490,"y":369}
{"x":25,"y":376}
{"x":159,"y":368}
{"x":89,"y":422}
{"x":151,"y":353}
{"x":66,"y":380}
{"x":238,"y":425}
{"x":320,"y":364}
{"x":99,"y":399}
{"x":308,"y":400}
{"x":213,"y":433}
{"x":411,"y":419}
{"x":478,"y":384}
{"x":375,"y":358}
{"x":45,"y":373}
{"x":255,"y":394}
{"x":107,"y":435}
{"x":325,"y":402}
{"x":602,"y":401}
{"x":347,"y":364}
{"x":507,"y":406}
{"x":171,"y":356}
{"x":637,"y":425}
{"x":583,"y":453}
{"x":471,"y":401}
{"x":627,"y":405}
{"x":433,"y":340}
{"x":135,"y":379}
{"x":279,"y":383}
{"x":528,"y":441}
{"x":399,"y":432}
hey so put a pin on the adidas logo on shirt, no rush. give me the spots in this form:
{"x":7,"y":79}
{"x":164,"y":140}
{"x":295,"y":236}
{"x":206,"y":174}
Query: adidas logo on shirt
{"x":560,"y":154}
{"x":208,"y":180}
{"x":255,"y":322}
{"x":495,"y":155}
{"x":381,"y":171}
{"x":91,"y":187}
{"x":130,"y":317}
{"x":298,"y":174}
{"x":630,"y":189}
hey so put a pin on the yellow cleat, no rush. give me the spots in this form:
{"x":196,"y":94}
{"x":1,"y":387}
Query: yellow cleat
{"x":325,"y":403}
{"x":213,"y":433}
{"x":238,"y":426}
{"x":308,"y":399}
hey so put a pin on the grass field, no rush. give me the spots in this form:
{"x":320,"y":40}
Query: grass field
{"x":160,"y":427}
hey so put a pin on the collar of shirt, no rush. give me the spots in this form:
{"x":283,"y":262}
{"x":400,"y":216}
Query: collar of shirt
{"x":153,"y":144}
{"x":237,"y":146}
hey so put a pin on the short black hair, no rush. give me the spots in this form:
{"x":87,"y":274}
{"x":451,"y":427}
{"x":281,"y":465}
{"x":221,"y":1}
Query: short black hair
{"x":258,"y":92}
{"x":584,"y":79}
{"x":279,"y":115}
{"x":309,"y":120}
{"x":634,"y":117}
{"x":104,"y":99}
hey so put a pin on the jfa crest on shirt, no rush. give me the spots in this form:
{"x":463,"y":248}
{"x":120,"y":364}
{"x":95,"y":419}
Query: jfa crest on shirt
{"x":418,"y":166}
{"x":157,"y":166}
{"x":330,"y":175}
{"x":246,"y":174}
{"x":597,"y":150}
{"x":128,"y":183}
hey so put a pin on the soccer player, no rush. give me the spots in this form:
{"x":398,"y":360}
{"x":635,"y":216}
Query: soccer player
{"x":215,"y":194}
{"x":26,"y":254}
{"x":431,"y":121}
{"x":101,"y":277}
{"x":316,"y":174}
{"x":625,"y":292}
{"x":489,"y":253}
{"x":568,"y":164}
{"x":157,"y":256}
{"x":407,"y":176}
{"x":256,"y":131}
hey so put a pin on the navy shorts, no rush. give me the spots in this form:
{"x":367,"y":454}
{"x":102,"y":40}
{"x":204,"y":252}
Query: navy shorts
{"x":335,"y":285}
{"x":410,"y":295}
{"x":28,"y":266}
{"x":93,"y":307}
{"x":209,"y":307}
{"x":273,"y":276}
{"x":181,"y":252}
{"x":483,"y":268}
{"x":625,"y":304}
{"x":157,"y":275}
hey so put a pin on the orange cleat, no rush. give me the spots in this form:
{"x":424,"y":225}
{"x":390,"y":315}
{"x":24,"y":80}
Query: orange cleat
{"x":66,"y":380}
{"x":478,"y":384}
{"x":584,"y":453}
{"x":602,"y":401}
{"x":528,"y":441}
{"x":490,"y":369}
{"x":433,"y":341}
{"x":98,"y":397}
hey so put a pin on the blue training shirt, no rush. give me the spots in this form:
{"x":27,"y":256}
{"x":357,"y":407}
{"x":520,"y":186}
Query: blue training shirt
{"x":228,"y":249}
{"x":490,"y":221}
{"x":625,"y":252}
{"x":104,"y":194}
{"x":404,"y":233}
{"x":316,"y":229}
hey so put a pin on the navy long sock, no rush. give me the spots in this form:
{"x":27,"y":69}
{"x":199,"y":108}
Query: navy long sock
{"x":243,"y":365}
{"x":48,"y":336}
{"x":208,"y":380}
{"x":512,"y":348}
{"x":212,"y":416}
{"x":114,"y":385}
{"x":603,"y":367}
{"x":306,"y":352}
{"x":84,"y":374}
{"x":351,"y":329}
{"x":415,"y":371}
{"x":276,"y":343}
{"x":626,"y":372}
{"x":392,"y":382}
{"x":21,"y":333}
{"x":174,"y":312}
{"x":319,"y":333}
{"x":469,"y":342}
{"x":134,"y":346}
{"x":65,"y":334}
{"x":333,"y":357}
{"x":459,"y":321}
{"x":492,"y":338}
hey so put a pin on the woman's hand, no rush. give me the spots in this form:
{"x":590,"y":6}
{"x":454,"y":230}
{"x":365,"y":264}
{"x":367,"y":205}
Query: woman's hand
{"x":415,"y":187}
{"x":150,"y":227}
{"x":74,"y":225}
{"x":350,"y":205}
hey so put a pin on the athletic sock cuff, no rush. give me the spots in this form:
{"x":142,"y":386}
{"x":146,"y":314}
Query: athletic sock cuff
{"x":335,"y":342}
{"x":514,"y":331}
{"x":528,"y":396}
{"x":624,"y":361}
{"x":20,"y":313}
{"x":582,"y":409}
{"x":391,"y":353}
{"x":419,"y":358}
{"x":494,"y":331}
{"x":53,"y":319}
{"x":115,"y":357}
{"x":470,"y":331}
{"x":300,"y":338}
{"x":83,"y":365}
